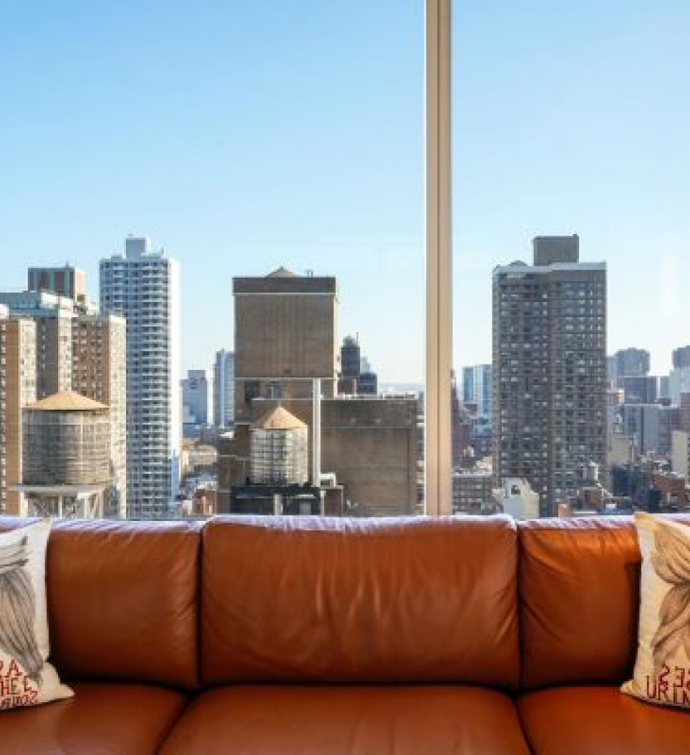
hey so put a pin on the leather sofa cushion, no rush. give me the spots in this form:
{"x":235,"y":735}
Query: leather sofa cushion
{"x":579,"y":582}
{"x":122,"y":600}
{"x":101,"y":719}
{"x":348,"y":720}
{"x":579,"y":591}
{"x":601,"y":721}
{"x":326,"y":600}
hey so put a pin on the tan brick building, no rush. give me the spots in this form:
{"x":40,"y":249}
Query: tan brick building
{"x":99,"y":372}
{"x":76,"y":349}
{"x":17,"y":390}
{"x":285,"y":336}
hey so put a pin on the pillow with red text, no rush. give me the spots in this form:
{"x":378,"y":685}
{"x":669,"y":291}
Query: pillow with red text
{"x":26,"y":678}
{"x":662,"y":668}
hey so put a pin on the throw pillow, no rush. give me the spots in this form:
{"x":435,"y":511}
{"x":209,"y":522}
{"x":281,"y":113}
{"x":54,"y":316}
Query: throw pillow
{"x":26,"y":678}
{"x":662,"y":668}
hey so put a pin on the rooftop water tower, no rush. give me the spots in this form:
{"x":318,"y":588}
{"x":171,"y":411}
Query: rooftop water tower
{"x":279,"y":449}
{"x":66,"y":465}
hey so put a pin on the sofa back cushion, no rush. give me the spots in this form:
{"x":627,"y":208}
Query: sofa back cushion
{"x":122,"y":600}
{"x":579,"y":600}
{"x":329,"y":600}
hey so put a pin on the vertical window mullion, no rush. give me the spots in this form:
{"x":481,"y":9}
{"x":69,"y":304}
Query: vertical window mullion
{"x":438,"y":444}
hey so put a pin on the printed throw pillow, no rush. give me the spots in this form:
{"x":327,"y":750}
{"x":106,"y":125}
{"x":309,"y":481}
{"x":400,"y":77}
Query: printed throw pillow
{"x":25,"y":676}
{"x":662,"y":668}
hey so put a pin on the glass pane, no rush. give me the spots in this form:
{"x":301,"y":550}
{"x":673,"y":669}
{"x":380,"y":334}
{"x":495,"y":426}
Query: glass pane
{"x":571,"y":189}
{"x":275,"y":151}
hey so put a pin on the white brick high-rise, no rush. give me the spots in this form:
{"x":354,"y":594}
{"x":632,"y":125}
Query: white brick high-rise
{"x":142,"y":285}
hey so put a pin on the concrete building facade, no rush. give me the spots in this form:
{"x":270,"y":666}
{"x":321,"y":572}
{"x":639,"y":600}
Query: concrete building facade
{"x":679,"y":383}
{"x":53,"y":315}
{"x":197,"y":396}
{"x":650,"y":427}
{"x":472,"y":489}
{"x":680,"y":453}
{"x":631,"y":362}
{"x":350,"y":358}
{"x":142,"y":285}
{"x":643,"y":389}
{"x":17,"y":390}
{"x":224,"y":389}
{"x":681,"y":357}
{"x":477,"y":388}
{"x":99,"y":373}
{"x":368,"y":443}
{"x":285,"y":338}
{"x":66,"y":281}
{"x":549,"y":369}
{"x":78,"y":350}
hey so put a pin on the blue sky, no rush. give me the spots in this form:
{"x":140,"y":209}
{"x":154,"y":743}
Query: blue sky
{"x":241,"y":136}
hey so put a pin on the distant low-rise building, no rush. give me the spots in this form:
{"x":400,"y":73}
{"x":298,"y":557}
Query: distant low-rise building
{"x":516,"y":498}
{"x":472,"y":491}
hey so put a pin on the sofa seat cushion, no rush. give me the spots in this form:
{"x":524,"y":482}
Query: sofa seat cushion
{"x":101,"y":719}
{"x":348,"y":720}
{"x":600,"y":721}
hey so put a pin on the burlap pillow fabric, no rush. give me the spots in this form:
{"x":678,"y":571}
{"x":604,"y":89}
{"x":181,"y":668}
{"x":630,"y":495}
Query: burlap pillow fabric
{"x":662,"y":668}
{"x":25,"y":676}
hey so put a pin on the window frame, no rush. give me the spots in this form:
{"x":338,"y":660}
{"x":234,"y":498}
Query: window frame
{"x":438,"y":491}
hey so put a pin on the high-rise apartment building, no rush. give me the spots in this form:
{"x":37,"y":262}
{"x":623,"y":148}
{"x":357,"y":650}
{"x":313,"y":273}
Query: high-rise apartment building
{"x":639,"y":389}
{"x":461,"y":424}
{"x":53,"y":315}
{"x":197,"y":396}
{"x":354,"y":379}
{"x":681,"y":357}
{"x":549,"y":369}
{"x":78,"y":350}
{"x":650,"y":427}
{"x":142,"y":285}
{"x":350,"y":358}
{"x":99,"y":372}
{"x":477,"y":388}
{"x":66,"y":281}
{"x":224,"y":389}
{"x":17,"y":390}
{"x":679,"y":383}
{"x":631,"y":362}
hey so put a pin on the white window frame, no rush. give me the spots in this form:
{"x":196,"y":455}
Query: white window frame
{"x":438,"y":490}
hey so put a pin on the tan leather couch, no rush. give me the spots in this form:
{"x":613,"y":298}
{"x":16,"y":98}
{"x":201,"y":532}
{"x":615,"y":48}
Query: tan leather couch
{"x":331,"y":637}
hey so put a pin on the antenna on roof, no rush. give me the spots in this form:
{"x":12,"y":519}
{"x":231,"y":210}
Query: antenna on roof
{"x":309,"y":273}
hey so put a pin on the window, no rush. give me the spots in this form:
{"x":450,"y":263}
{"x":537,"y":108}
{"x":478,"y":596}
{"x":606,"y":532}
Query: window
{"x":563,"y":127}
{"x":298,"y":172}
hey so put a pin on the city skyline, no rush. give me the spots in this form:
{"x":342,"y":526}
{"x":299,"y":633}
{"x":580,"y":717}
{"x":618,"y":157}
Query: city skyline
{"x":566,"y":121}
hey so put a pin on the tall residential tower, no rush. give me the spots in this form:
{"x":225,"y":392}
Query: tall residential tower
{"x":549,"y":369}
{"x":142,"y":285}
